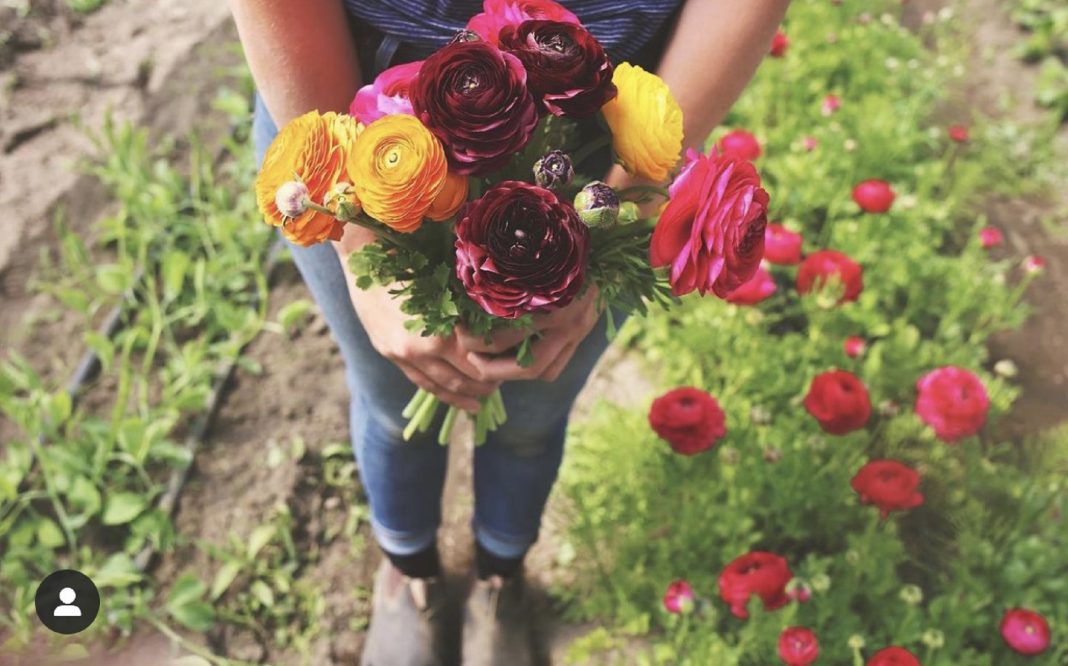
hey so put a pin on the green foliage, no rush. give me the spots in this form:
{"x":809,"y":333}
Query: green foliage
{"x":991,"y":533}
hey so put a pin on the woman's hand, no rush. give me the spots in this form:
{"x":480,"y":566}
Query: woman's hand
{"x":561,"y":332}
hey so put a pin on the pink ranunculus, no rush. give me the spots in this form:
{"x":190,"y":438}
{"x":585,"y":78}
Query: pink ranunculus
{"x":387,"y":96}
{"x":1025,"y":631}
{"x":740,"y":144}
{"x":953,"y":401}
{"x":991,"y":237}
{"x":1034,"y":265}
{"x":810,"y":143}
{"x":759,"y":288}
{"x":711,"y":233}
{"x":854,"y":346}
{"x":782,"y":246}
{"x":831,"y":103}
{"x":779,"y":44}
{"x":958,"y":133}
{"x":874,"y":196}
{"x":679,"y":599}
{"x":496,"y":14}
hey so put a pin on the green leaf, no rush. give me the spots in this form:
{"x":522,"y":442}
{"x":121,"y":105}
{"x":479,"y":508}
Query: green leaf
{"x":83,"y":495}
{"x":259,"y":538}
{"x":263,"y":593}
{"x":49,"y":535}
{"x":293,"y":314}
{"x":121,"y":508}
{"x":187,"y":588}
{"x":114,"y":278}
{"x":118,"y":571}
{"x":173,"y":269}
{"x":60,"y":407}
{"x":197,"y":615}
{"x":102,"y":346}
{"x":224,"y":577}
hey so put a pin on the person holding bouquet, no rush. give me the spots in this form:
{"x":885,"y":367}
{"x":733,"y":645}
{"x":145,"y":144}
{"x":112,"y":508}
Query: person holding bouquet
{"x":317,"y":55}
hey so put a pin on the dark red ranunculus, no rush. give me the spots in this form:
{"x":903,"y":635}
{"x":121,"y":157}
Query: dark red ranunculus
{"x":894,"y":656}
{"x":953,"y":401}
{"x":568,"y":71}
{"x":759,"y":288}
{"x":711,"y":233}
{"x":519,"y":249}
{"x":826,"y":265}
{"x":763,"y":574}
{"x":475,"y":99}
{"x":889,"y":485}
{"x":689,"y":419}
{"x":839,"y":401}
{"x":498,"y":14}
{"x":782,"y":246}
{"x":798,"y":646}
{"x":874,"y":196}
{"x":1025,"y":631}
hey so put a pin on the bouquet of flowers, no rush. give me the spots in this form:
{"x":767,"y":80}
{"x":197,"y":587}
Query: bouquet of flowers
{"x":463,"y":166}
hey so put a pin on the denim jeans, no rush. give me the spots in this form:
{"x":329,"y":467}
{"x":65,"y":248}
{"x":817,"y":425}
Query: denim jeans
{"x":513,"y":471}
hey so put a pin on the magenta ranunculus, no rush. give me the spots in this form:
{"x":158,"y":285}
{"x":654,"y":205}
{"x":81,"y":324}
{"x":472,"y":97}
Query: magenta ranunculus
{"x":387,"y":96}
{"x":831,"y":103}
{"x":474,"y":98}
{"x":521,"y":250}
{"x":874,"y":195}
{"x":679,"y":598}
{"x":496,"y":14}
{"x":854,"y":346}
{"x":959,"y":133}
{"x":758,"y":288}
{"x":830,"y":266}
{"x":779,"y":43}
{"x":567,"y":69}
{"x":711,"y":233}
{"x":991,"y":237}
{"x":953,"y":401}
{"x":1025,"y":631}
{"x":741,"y":144}
{"x":782,"y":246}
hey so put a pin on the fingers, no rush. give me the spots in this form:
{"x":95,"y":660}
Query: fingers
{"x":500,"y":341}
{"x":457,"y":380}
{"x":422,"y":380}
{"x":502,"y":369}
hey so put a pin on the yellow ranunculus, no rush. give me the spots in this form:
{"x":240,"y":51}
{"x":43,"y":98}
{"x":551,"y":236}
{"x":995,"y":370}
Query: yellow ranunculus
{"x":309,"y":150}
{"x":646,"y":123}
{"x":398,"y":169}
{"x":452,"y":196}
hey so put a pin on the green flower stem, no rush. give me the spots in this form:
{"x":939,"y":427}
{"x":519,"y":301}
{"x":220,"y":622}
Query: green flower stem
{"x":413,"y":405}
{"x":446,"y":426}
{"x":422,"y":414}
{"x":590,"y":148}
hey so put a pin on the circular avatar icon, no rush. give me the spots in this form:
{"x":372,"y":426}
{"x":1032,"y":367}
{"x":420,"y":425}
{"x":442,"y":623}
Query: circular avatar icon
{"x":67,"y":601}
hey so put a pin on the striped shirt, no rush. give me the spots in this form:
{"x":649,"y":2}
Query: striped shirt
{"x":622,"y":26}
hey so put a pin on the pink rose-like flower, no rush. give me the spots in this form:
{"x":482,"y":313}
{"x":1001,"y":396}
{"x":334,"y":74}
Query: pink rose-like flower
{"x":991,"y":237}
{"x":711,"y":233}
{"x":855,"y":346}
{"x":739,"y":143}
{"x":798,"y":646}
{"x":679,"y":597}
{"x":496,"y":14}
{"x":810,"y":143}
{"x":1034,"y":265}
{"x":874,"y":196}
{"x":831,"y":103}
{"x":756,"y":573}
{"x":782,"y":246}
{"x":759,"y":288}
{"x":953,"y":401}
{"x":387,"y":96}
{"x":820,"y":268}
{"x":779,"y":44}
{"x":1025,"y":631}
{"x":839,"y":401}
{"x":958,"y":133}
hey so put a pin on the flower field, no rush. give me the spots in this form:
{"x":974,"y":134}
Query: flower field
{"x":859,"y":458}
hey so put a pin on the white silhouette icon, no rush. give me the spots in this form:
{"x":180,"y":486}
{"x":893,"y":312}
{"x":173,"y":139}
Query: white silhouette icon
{"x":67,"y":596}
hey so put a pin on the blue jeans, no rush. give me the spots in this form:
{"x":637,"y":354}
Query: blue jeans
{"x":513,"y":471}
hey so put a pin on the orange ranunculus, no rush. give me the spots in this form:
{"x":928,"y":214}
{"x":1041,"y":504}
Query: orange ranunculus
{"x":398,"y":169}
{"x":309,"y":150}
{"x":452,"y":196}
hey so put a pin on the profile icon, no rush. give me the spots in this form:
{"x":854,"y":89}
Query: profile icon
{"x":67,"y":595}
{"x":67,"y":602}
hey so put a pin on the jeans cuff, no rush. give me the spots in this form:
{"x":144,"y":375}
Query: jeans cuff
{"x":403,"y":543}
{"x":504,"y":546}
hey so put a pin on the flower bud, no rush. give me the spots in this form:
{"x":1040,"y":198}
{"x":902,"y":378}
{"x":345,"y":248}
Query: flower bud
{"x":760,"y":415}
{"x":597,"y":204}
{"x":554,"y":170}
{"x":629,"y":212}
{"x":772,"y":454}
{"x":1006,"y":368}
{"x":821,"y":583}
{"x":934,"y":639}
{"x":291,"y":198}
{"x":911,"y":595}
{"x":856,"y":642}
{"x":730,"y":455}
{"x":465,"y":36}
{"x":341,"y":199}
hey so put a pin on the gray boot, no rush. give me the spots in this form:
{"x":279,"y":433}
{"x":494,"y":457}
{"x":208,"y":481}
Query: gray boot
{"x":409,"y":624}
{"x":497,"y":630}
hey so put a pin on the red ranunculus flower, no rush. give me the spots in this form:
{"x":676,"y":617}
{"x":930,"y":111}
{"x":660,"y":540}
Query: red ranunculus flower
{"x":1025,"y":631}
{"x":798,"y":646}
{"x":953,"y":401}
{"x":496,"y":14}
{"x":740,"y":144}
{"x":874,"y":196}
{"x":711,"y":233}
{"x":958,"y":133}
{"x":679,"y":598}
{"x":689,"y":419}
{"x":759,"y":287}
{"x":387,"y":96}
{"x":475,"y":99}
{"x":839,"y":401}
{"x":519,"y":249}
{"x":779,"y":44}
{"x":782,"y":246}
{"x":821,"y":267}
{"x":991,"y":237}
{"x":894,"y":656}
{"x":760,"y":573}
{"x":567,"y":70}
{"x":854,"y":346}
{"x":889,"y":485}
